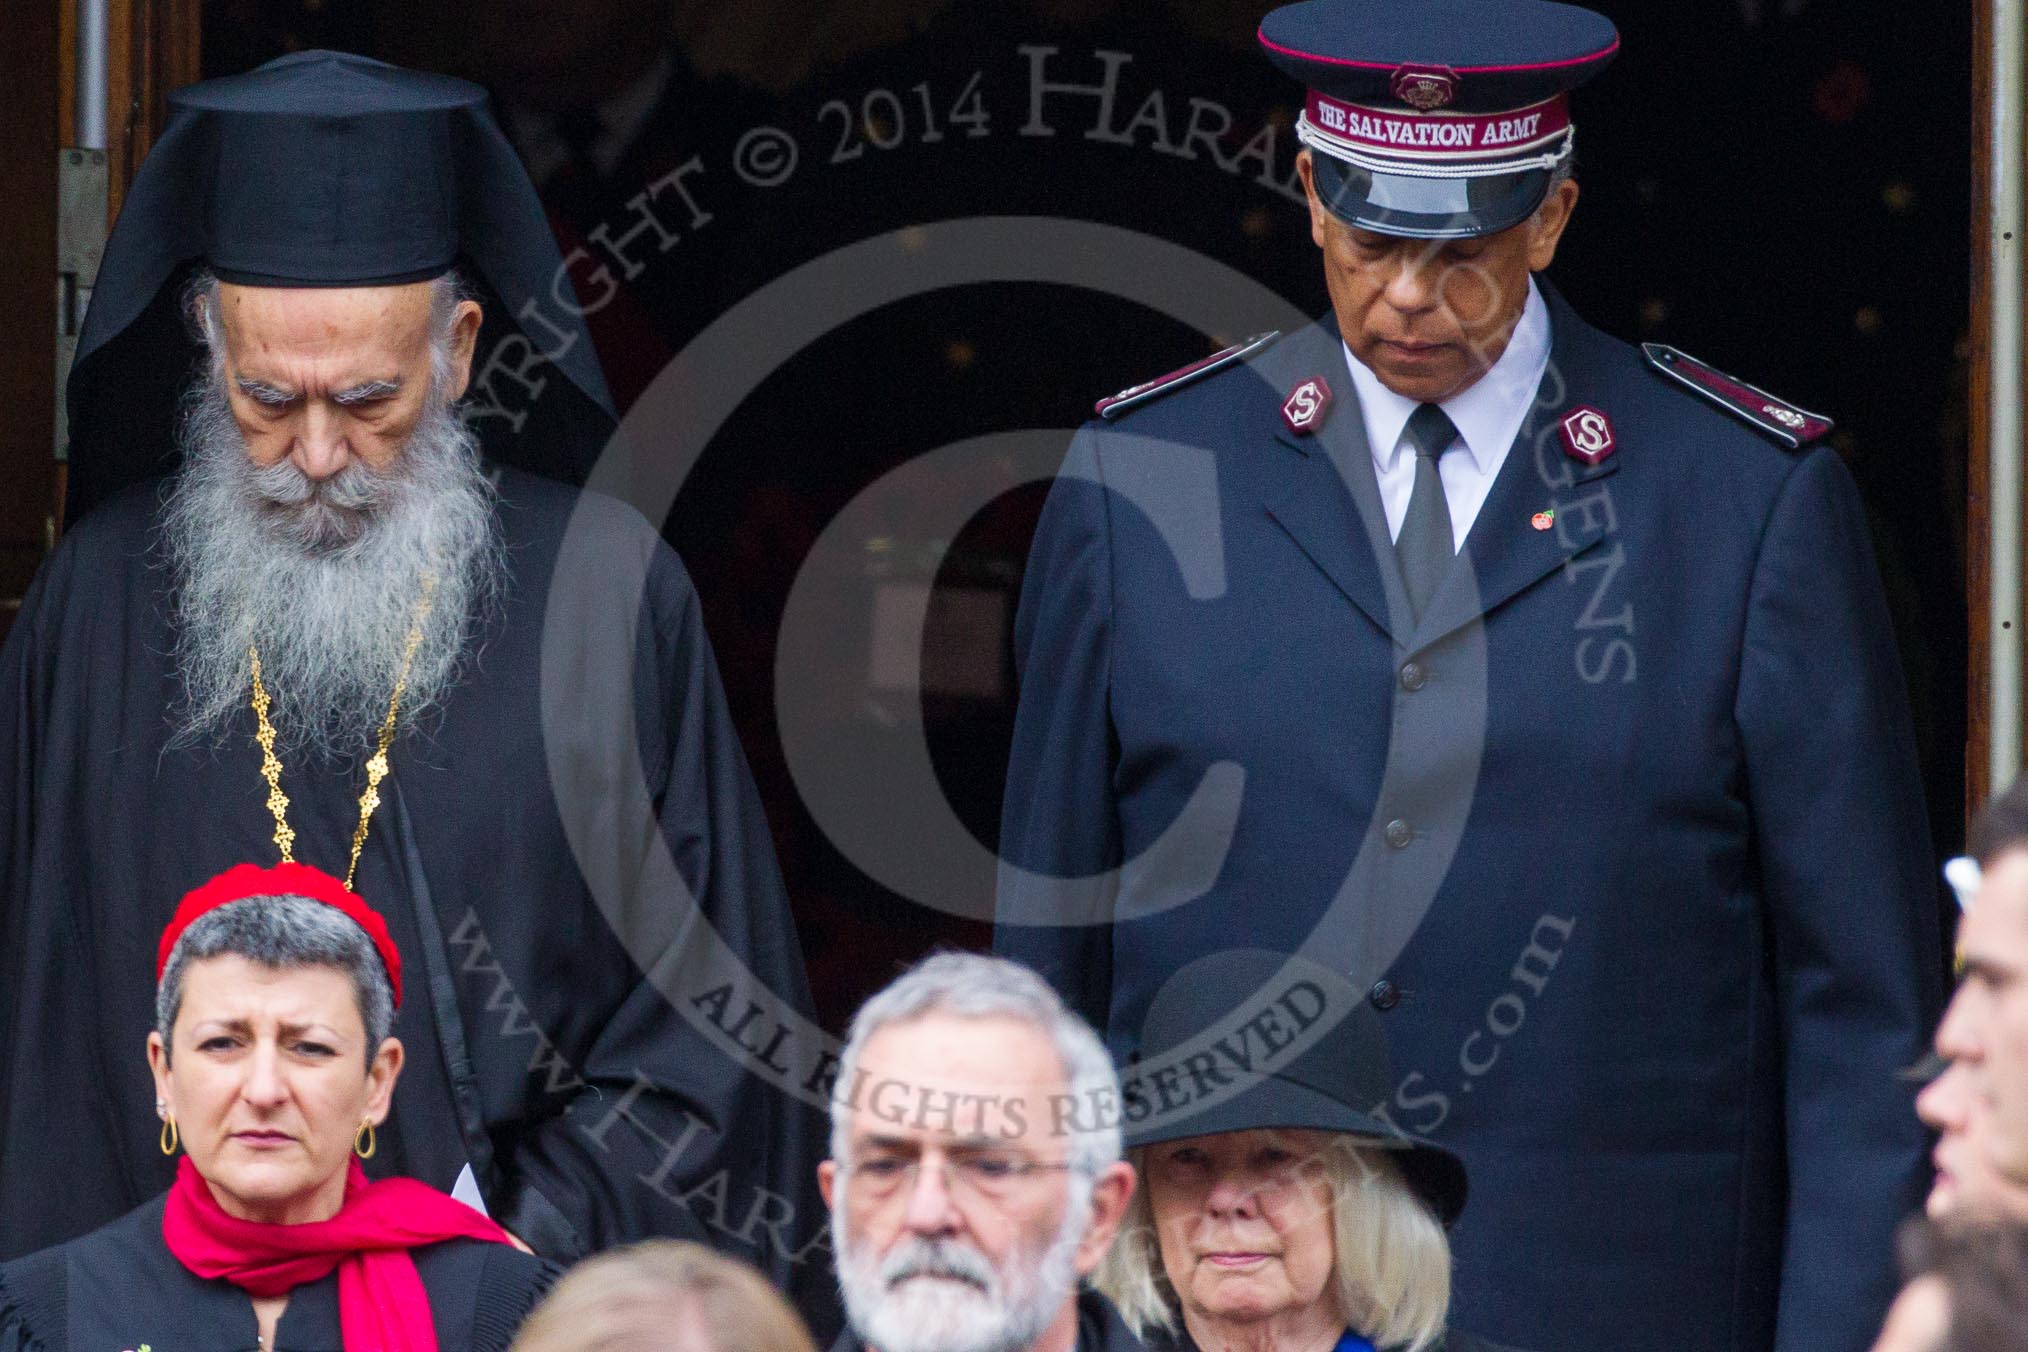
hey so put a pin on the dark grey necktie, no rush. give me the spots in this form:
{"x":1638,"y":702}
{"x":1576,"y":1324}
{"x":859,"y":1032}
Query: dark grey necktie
{"x":1424,"y":547}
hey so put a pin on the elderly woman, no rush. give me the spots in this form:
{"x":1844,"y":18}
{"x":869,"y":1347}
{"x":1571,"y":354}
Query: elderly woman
{"x":273,"y":1067}
{"x":1281,"y":1215}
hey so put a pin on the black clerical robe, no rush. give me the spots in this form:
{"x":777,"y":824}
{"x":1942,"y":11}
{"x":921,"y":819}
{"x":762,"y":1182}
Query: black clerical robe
{"x":120,"y":1287}
{"x":573,"y":1034}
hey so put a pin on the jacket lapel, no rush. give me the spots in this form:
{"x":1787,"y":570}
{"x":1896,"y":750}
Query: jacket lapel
{"x":1505,"y":552}
{"x":1327,"y":498}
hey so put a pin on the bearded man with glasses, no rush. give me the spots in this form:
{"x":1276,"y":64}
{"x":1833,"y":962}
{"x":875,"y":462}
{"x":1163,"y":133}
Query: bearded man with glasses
{"x":971,"y":1187}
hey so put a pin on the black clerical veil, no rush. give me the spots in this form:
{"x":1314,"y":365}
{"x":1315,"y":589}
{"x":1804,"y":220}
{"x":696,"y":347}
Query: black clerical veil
{"x":327,"y":169}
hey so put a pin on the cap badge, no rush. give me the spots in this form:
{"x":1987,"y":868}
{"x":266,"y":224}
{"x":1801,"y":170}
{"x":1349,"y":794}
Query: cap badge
{"x":1543,"y":520}
{"x":1588,"y":435}
{"x":1425,"y":87}
{"x":1307,"y":406}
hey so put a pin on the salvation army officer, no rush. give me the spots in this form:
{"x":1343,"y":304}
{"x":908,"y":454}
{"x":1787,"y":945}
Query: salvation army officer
{"x":1541,"y":684}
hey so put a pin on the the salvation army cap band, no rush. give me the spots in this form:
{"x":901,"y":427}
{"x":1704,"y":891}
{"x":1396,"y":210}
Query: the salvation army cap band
{"x":1437,"y":119}
{"x":1332,"y":1085}
{"x":322,"y":169}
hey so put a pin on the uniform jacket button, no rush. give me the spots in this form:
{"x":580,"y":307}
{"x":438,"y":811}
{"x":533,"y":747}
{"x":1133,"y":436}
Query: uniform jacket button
{"x":1385,"y":994}
{"x":1414,"y":676}
{"x":1399,"y":834}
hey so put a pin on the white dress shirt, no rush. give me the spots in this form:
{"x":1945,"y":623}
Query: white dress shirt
{"x":1488,"y":415}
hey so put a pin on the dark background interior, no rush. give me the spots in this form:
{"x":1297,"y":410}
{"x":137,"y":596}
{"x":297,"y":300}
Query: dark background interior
{"x":1778,"y":186}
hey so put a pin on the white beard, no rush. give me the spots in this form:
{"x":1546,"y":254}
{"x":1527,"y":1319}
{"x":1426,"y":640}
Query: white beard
{"x":324,"y":578}
{"x":973,"y":1308}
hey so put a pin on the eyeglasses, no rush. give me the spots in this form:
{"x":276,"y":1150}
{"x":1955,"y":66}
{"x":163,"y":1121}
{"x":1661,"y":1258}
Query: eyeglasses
{"x":990,"y":1175}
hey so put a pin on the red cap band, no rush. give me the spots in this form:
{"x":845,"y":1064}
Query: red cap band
{"x":1425,"y":136}
{"x":283,"y":880}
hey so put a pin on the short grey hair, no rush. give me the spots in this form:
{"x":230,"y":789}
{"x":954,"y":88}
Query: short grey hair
{"x":1564,"y":169}
{"x":974,"y":986}
{"x":283,"y":932}
{"x":447,"y":292}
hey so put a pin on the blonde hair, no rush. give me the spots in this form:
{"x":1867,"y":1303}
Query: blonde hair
{"x":660,"y":1296}
{"x":1390,"y":1262}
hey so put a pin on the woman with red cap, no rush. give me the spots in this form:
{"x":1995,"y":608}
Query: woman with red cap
{"x":274,"y":1069}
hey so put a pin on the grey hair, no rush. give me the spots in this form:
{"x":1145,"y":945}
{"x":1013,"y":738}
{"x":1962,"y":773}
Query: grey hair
{"x":324,"y":574}
{"x":1564,"y":169}
{"x":282,"y":932}
{"x":447,"y":292}
{"x":972,"y":985}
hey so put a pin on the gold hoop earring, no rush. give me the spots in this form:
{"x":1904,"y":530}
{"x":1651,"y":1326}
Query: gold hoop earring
{"x":168,"y":1139}
{"x":372,"y":1140}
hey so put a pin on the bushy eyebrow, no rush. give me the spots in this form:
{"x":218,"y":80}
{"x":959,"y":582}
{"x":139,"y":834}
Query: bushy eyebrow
{"x":962,"y":1145}
{"x":261,"y":392}
{"x":367,"y":392}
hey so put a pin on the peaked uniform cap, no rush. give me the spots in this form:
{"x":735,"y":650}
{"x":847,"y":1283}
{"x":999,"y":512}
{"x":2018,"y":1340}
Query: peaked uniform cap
{"x":1437,"y":119}
{"x":1505,"y":53}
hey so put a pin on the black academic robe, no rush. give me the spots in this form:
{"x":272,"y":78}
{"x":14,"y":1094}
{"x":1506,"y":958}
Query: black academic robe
{"x":571,"y":1031}
{"x":120,"y":1287}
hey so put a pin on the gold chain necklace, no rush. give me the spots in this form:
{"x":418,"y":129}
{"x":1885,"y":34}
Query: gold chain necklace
{"x":376,"y":767}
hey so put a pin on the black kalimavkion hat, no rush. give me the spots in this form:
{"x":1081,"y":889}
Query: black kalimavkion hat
{"x":1437,"y":119}
{"x":323,"y":169}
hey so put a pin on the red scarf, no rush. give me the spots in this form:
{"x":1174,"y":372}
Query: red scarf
{"x":381,"y":1303}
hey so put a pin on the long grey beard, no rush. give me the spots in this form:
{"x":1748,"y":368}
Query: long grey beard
{"x":324,"y":578}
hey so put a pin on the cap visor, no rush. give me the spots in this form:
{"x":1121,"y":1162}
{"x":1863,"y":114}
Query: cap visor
{"x":1415,"y":207}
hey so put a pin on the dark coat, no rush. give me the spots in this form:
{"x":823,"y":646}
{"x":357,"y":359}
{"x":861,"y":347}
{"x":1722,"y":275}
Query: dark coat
{"x":541,"y":1050}
{"x":1627,"y":838}
{"x":120,"y":1287}
{"x":1099,"y":1329}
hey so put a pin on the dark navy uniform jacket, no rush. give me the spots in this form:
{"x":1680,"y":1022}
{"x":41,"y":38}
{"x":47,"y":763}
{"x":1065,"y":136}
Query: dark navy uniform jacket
{"x":1626,"y":835}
